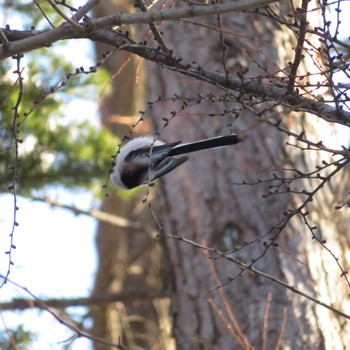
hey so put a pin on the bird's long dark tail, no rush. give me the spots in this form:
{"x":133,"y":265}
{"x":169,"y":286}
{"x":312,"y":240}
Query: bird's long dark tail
{"x":214,"y":142}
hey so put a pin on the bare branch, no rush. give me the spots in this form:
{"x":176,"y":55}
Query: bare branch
{"x":119,"y":19}
{"x":48,"y":37}
{"x":96,"y":299}
{"x":260,"y":273}
{"x":255,"y":88}
{"x":112,"y":219}
{"x":69,"y":325}
{"x":84,"y":10}
{"x":269,"y":92}
{"x":32,"y":40}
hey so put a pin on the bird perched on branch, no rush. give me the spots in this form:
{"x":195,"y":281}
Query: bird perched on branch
{"x":144,"y":159}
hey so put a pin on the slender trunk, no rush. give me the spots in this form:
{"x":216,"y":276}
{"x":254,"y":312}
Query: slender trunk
{"x":122,"y":263}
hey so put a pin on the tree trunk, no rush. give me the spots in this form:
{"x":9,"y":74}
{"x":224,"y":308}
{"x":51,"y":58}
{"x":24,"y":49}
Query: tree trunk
{"x":199,"y":202}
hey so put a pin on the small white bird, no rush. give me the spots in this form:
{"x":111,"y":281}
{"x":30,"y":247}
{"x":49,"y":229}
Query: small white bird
{"x":138,"y":159}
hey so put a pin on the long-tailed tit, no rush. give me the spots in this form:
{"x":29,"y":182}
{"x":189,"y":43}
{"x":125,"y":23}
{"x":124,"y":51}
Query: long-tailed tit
{"x":144,"y":159}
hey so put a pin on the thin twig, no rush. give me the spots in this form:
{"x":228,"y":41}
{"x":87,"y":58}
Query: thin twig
{"x":43,"y":13}
{"x":226,"y":322}
{"x":223,"y":44}
{"x":12,"y":340}
{"x":64,"y":16}
{"x":157,"y":35}
{"x":302,"y":13}
{"x":260,"y":273}
{"x":283,"y":326}
{"x":235,"y":328}
{"x":266,"y":321}
{"x":14,"y":167}
{"x":73,"y":328}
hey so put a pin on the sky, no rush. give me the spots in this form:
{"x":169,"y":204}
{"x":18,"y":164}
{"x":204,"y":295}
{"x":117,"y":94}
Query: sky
{"x":55,"y":258}
{"x":55,"y":255}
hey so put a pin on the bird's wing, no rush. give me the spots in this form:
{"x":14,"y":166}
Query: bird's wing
{"x":166,"y":166}
{"x":157,"y":155}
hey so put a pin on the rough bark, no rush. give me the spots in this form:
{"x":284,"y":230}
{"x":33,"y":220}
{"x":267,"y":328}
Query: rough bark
{"x":199,"y":202}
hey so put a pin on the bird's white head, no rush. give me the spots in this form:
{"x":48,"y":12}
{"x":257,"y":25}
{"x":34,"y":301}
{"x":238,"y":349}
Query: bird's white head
{"x":131,"y":159}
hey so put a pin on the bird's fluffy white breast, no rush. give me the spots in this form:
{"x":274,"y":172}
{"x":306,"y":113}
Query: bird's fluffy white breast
{"x":139,"y":142}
